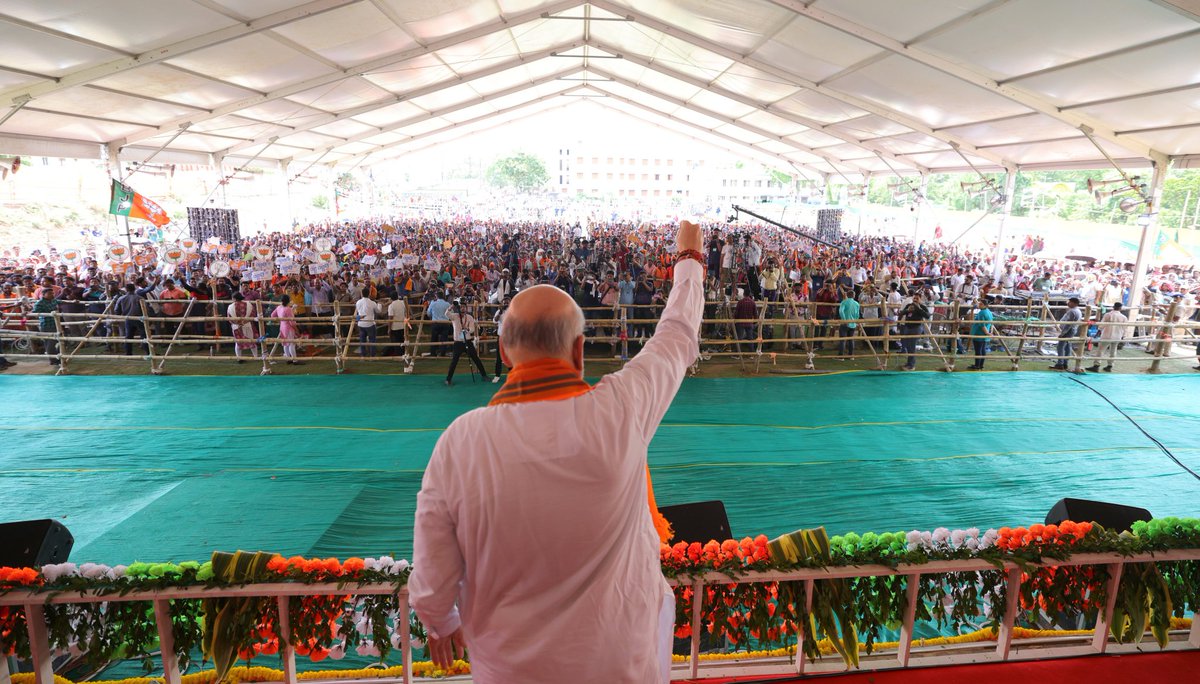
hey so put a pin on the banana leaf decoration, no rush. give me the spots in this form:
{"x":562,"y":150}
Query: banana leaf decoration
{"x":833,"y":604}
{"x":228,"y":622}
{"x":1143,"y":599}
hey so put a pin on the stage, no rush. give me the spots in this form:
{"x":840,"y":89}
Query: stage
{"x":172,"y":468}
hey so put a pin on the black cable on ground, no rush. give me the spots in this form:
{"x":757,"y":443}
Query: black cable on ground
{"x":1149,"y":436}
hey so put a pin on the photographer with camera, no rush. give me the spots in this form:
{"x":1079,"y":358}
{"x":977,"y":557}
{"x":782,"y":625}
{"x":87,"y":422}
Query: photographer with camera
{"x":465,"y":331}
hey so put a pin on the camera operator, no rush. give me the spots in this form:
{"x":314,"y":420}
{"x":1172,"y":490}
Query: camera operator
{"x":465,"y":331}
{"x":914,"y":317}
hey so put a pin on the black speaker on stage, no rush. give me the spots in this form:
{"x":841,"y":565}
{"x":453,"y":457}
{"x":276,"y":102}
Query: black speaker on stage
{"x":34,"y":543}
{"x":698,"y":522}
{"x":1110,"y":515}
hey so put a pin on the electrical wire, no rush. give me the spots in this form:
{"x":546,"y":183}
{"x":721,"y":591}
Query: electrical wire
{"x":1149,"y":436}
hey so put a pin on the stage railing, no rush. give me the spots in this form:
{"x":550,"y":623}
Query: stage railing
{"x":777,"y":331}
{"x":35,"y":604}
{"x":903,"y":655}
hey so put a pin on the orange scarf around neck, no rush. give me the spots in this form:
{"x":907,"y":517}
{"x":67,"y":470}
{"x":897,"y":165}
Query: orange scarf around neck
{"x":553,"y":380}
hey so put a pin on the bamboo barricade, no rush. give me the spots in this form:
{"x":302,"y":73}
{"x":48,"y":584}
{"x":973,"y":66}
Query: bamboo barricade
{"x":178,"y":329}
{"x":338,"y":361}
{"x":887,"y":334}
{"x":260,"y":339}
{"x":58,"y":341}
{"x":147,"y":331}
{"x":1164,"y":339}
{"x":956,"y":332}
{"x":758,"y":349}
{"x":91,"y":331}
{"x":1082,"y":339}
{"x":1030,"y":328}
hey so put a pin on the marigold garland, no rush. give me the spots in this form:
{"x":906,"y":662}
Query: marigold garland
{"x":756,"y":617}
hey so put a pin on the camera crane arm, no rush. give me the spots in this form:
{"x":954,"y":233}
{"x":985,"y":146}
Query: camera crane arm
{"x":760,"y":217}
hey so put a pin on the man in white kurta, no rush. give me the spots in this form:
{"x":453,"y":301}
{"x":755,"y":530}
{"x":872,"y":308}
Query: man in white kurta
{"x":533,"y":534}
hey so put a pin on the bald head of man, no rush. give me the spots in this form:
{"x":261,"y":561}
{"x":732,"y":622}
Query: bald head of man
{"x":542,"y":322}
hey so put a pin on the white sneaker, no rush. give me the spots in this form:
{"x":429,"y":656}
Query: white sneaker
{"x":496,"y":379}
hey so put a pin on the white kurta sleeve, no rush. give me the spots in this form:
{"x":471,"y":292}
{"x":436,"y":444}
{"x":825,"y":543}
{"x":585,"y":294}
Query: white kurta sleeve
{"x":652,"y":378}
{"x":437,"y":561}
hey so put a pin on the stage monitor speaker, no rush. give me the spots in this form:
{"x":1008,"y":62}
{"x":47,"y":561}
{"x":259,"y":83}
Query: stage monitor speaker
{"x":1110,"y":515}
{"x":34,"y":543}
{"x":698,"y":522}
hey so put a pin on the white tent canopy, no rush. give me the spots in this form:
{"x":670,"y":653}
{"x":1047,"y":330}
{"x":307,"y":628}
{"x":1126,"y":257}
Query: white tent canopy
{"x":846,"y":87}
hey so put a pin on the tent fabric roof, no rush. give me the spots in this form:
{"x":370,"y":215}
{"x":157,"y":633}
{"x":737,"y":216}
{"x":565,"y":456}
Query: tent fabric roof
{"x":846,"y":87}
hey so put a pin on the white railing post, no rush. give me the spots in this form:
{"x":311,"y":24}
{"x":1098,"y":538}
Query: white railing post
{"x":912,"y":591}
{"x":166,"y":640}
{"x":697,"y":611}
{"x":5,"y":678}
{"x":405,"y":639}
{"x":1100,"y":638}
{"x":287,"y":654}
{"x":39,"y":643}
{"x":808,"y":594}
{"x":1012,"y":599}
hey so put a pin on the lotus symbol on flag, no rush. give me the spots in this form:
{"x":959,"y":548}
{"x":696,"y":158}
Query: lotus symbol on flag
{"x":188,"y":244}
{"x":263,"y":251}
{"x":70,"y":257}
{"x":117,"y":253}
{"x":325,"y":255}
{"x":173,"y":254}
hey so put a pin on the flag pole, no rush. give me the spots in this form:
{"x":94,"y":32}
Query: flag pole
{"x":129,"y":243}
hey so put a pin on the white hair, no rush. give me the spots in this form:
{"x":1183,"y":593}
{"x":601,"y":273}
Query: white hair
{"x":544,"y":335}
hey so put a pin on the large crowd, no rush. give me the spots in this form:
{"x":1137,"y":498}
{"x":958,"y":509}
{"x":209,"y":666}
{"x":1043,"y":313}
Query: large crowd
{"x":454,"y":278}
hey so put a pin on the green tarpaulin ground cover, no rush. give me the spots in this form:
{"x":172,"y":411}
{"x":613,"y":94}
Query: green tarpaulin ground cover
{"x":172,"y":468}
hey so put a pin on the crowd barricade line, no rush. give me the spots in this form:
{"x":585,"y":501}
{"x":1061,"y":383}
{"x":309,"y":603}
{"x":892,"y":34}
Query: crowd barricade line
{"x":1018,"y":332}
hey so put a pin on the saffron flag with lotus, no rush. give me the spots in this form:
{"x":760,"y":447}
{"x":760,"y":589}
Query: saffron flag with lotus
{"x":126,"y":202}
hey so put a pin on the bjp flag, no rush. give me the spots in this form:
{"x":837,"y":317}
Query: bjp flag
{"x":125,"y":202}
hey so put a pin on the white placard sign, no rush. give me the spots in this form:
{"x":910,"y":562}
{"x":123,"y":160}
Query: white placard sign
{"x":369,"y":260}
{"x":387,"y":249}
{"x":432,"y":264}
{"x":318,"y":268}
{"x":290,"y":269}
{"x":323,"y":244}
{"x":409,"y":259}
{"x":347,"y":248}
{"x":393,"y":263}
{"x":218,"y":269}
{"x":308,"y":255}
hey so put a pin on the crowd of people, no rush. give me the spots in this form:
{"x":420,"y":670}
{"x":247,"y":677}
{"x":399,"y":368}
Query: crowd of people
{"x":454,"y":278}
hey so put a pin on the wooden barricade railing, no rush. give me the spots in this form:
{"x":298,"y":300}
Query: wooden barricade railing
{"x":1022,"y":331}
